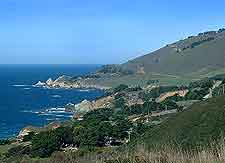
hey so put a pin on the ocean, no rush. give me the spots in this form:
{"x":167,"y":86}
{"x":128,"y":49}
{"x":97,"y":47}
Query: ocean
{"x":22,"y":105}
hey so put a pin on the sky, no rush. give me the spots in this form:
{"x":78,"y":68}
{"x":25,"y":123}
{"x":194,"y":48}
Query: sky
{"x":99,"y":31}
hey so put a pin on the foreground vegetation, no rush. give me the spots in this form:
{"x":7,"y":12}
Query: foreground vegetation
{"x":136,"y":128}
{"x":169,"y":154}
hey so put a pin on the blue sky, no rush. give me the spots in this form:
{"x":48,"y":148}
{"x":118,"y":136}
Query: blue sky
{"x":98,"y":31}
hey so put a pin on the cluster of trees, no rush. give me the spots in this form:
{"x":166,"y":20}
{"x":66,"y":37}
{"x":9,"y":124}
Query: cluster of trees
{"x":126,"y":88}
{"x":193,"y":45}
{"x":198,"y":89}
{"x":196,"y":94}
{"x":120,"y":88}
{"x":115,"y":69}
{"x":98,"y":128}
{"x":221,"y":30}
{"x":4,"y":141}
{"x":148,"y":107}
{"x":204,"y":83}
{"x":149,"y":82}
{"x":156,"y":92}
{"x":107,"y":126}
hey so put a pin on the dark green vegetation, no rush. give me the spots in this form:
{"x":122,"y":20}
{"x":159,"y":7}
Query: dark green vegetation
{"x":97,"y":129}
{"x":114,"y":69}
{"x":200,"y":125}
{"x":4,"y":142}
{"x":126,"y":121}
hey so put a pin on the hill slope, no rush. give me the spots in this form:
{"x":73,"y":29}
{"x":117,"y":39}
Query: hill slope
{"x":203,"y":123}
{"x":176,"y":64}
{"x":200,"y":54}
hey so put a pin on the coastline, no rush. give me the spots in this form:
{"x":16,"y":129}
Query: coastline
{"x":77,"y":110}
{"x":66,"y":82}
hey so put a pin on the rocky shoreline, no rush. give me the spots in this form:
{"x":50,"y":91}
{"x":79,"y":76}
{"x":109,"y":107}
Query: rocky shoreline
{"x":67,"y":82}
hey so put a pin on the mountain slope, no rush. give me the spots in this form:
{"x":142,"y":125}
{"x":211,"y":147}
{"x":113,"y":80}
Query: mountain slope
{"x":200,"y":54}
{"x":175,"y":64}
{"x":199,"y":125}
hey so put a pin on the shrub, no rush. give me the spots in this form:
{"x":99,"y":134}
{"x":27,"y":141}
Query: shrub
{"x":120,"y":88}
{"x":45,"y":143}
{"x":28,"y":137}
{"x":18,"y":151}
{"x":4,"y":142}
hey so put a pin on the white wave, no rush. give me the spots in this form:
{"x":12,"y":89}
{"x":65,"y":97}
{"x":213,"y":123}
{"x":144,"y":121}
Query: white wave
{"x":31,"y":111}
{"x":56,"y":96}
{"x":50,"y":119}
{"x":20,"y":85}
{"x":64,"y":116}
{"x":45,"y":114}
{"x":69,"y":116}
{"x":56,"y":110}
{"x":84,"y":90}
{"x":28,"y":111}
{"x":26,"y":88}
{"x":53,"y":119}
{"x":59,"y":115}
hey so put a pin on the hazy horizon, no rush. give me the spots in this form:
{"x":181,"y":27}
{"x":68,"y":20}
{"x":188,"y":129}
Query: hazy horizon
{"x":98,"y":32}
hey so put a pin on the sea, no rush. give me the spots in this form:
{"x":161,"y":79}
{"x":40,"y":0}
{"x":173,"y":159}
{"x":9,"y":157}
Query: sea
{"x":22,"y":104}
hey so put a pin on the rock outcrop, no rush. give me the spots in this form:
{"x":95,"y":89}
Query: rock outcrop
{"x":86,"y":105}
{"x":39,"y":84}
{"x":69,"y":83}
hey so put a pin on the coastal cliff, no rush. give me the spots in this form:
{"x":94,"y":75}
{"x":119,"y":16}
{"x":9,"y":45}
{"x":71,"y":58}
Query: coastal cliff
{"x":68,"y":82}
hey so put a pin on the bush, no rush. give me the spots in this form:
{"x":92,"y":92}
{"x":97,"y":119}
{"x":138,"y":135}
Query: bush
{"x":18,"y":151}
{"x":45,"y":143}
{"x":196,"y":94}
{"x":4,"y":142}
{"x":149,"y":82}
{"x":205,"y":83}
{"x":119,"y":103}
{"x":28,"y":137}
{"x":121,"y":87}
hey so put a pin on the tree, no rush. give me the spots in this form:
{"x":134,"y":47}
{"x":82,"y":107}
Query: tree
{"x":120,"y":128}
{"x":119,"y":103}
{"x":45,"y":143}
{"x":120,"y":88}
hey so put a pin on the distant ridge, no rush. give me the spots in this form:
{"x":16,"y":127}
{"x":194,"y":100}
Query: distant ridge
{"x":179,"y":63}
{"x":196,"y":55}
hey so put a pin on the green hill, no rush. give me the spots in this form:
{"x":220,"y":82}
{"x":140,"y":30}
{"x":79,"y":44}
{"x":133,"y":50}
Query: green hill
{"x":199,"y":125}
{"x":179,"y":63}
{"x":192,"y":56}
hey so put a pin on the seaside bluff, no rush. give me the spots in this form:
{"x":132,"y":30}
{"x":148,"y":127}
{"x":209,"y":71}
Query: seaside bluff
{"x":68,"y":82}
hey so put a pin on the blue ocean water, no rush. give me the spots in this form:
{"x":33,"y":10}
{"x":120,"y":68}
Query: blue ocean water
{"x":21,"y":104}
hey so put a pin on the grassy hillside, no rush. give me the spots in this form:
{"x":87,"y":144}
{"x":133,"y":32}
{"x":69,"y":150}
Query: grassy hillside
{"x":196,"y":55}
{"x":193,"y":58}
{"x":199,"y":125}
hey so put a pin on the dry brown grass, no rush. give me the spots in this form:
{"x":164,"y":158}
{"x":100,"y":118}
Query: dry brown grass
{"x":168,"y":154}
